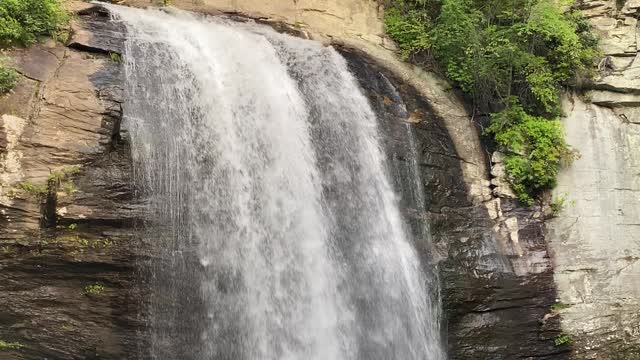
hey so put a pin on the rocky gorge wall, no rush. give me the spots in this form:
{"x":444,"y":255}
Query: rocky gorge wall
{"x":496,"y":271}
{"x":68,"y":256}
{"x":596,"y":239}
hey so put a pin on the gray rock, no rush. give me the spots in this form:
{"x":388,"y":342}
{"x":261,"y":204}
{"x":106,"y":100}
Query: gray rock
{"x":596,"y":238}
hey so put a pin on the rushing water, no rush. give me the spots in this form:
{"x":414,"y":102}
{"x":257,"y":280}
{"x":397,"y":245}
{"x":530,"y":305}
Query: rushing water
{"x":277,"y":231}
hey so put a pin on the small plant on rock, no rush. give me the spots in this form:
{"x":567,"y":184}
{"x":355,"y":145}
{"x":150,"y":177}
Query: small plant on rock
{"x":563,"y":339}
{"x":4,"y":345}
{"x":559,"y":306}
{"x":115,"y":57}
{"x":559,"y":203}
{"x":8,"y":78}
{"x":94,"y":289}
{"x":33,"y":189}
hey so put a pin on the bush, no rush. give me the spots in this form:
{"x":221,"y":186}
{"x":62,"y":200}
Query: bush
{"x":535,"y":148}
{"x":21,"y":21}
{"x":408,"y":30}
{"x":8,"y":78}
{"x":512,"y":58}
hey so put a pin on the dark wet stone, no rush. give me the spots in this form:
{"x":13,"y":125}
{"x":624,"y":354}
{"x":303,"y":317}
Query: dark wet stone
{"x":95,"y":33}
{"x":494,"y":306}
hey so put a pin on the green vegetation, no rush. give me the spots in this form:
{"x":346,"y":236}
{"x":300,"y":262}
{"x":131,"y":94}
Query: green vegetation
{"x":559,"y":306}
{"x":8,"y":78}
{"x":69,"y":188}
{"x":94,"y":289}
{"x":562,"y":339}
{"x":54,"y":182}
{"x":60,"y":178}
{"x":21,"y":22}
{"x":33,"y":189}
{"x":534,"y":148}
{"x":115,"y":57}
{"x":512,"y":59}
{"x":62,"y":174}
{"x":10,"y":345}
{"x":559,"y":203}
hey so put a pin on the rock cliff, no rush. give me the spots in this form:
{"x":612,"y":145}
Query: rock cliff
{"x":72,"y":267}
{"x":596,"y":238}
{"x":67,"y":251}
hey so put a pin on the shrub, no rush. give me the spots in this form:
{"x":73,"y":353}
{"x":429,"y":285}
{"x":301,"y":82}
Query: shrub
{"x":408,"y":30}
{"x":8,"y":78}
{"x":512,"y":58}
{"x":535,"y":148}
{"x":21,"y":21}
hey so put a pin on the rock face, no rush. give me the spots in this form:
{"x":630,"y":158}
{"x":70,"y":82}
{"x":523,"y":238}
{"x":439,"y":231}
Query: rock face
{"x":596,"y":238}
{"x":67,"y":256}
{"x":497,"y":279}
{"x":68,"y":212}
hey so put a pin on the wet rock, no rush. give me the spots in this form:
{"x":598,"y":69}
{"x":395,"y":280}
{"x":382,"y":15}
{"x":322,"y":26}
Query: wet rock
{"x":496,"y":276}
{"x":65,"y":114}
{"x":93,"y":32}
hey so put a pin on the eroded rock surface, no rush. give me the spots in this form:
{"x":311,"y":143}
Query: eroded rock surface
{"x":67,"y":257}
{"x":596,"y":237}
{"x":496,"y":275}
{"x":595,"y":240}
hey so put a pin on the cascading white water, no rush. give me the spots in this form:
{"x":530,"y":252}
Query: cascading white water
{"x":278,"y":233}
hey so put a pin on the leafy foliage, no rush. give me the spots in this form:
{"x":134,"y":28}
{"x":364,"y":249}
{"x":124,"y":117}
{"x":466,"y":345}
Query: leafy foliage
{"x":535,"y":148}
{"x":559,"y":306}
{"x":8,"y":79}
{"x":21,"y":21}
{"x":94,"y":289}
{"x":562,"y":339}
{"x":512,"y":58}
{"x":559,"y":203}
{"x":408,"y":30}
{"x":4,"y":345}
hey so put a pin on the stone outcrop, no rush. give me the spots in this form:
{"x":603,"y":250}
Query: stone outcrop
{"x":67,"y":252}
{"x":496,"y":275}
{"x":595,"y":240}
{"x":596,"y":237}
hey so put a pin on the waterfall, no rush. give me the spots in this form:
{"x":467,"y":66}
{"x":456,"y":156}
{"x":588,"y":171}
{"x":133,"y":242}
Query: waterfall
{"x":275,"y":231}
